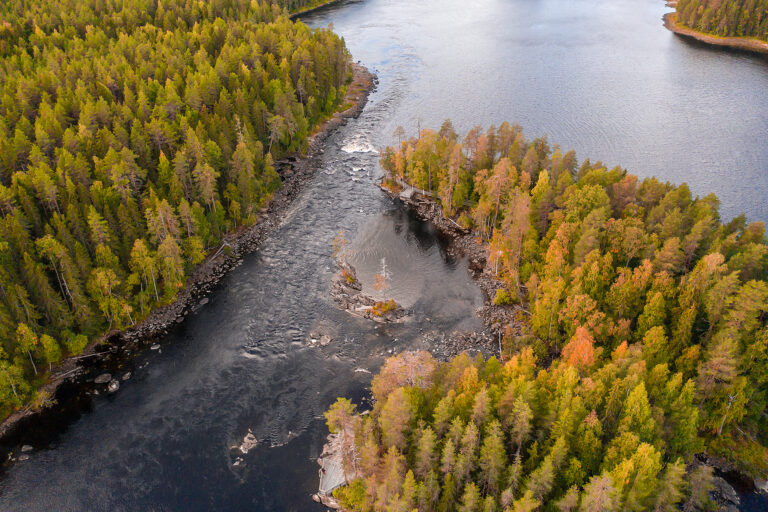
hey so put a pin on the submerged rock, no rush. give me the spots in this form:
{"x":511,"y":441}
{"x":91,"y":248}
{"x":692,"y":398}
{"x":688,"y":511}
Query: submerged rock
{"x":103,"y":378}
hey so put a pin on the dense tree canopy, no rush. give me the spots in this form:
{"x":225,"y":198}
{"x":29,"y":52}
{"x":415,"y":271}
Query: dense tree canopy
{"x":646,"y":340}
{"x":736,"y":18}
{"x":475,"y":435}
{"x":133,"y":135}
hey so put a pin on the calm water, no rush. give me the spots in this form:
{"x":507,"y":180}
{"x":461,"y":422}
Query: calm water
{"x":604,"y":78}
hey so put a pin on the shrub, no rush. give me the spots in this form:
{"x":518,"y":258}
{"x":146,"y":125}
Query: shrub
{"x":383,"y":307}
{"x":346,"y":274}
{"x":502,"y":298}
{"x":352,"y":496}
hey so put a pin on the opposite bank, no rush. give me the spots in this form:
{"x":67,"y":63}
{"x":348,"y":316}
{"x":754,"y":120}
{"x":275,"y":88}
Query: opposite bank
{"x":738,"y":43}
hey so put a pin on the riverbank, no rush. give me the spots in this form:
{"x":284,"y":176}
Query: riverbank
{"x":295,"y":172}
{"x":739,"y":43}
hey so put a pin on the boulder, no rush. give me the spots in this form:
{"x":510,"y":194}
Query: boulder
{"x":724,"y":492}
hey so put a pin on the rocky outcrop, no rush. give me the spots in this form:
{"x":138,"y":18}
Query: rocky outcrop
{"x":725,"y":496}
{"x":347,"y":293}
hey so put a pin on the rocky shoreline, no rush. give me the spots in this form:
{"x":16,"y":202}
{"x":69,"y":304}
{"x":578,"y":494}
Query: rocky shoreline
{"x":737,"y":43}
{"x":102,"y":353}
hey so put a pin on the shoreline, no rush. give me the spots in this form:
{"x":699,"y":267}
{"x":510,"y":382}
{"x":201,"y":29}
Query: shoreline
{"x":295,"y":172}
{"x":299,"y":14}
{"x":736,"y":43}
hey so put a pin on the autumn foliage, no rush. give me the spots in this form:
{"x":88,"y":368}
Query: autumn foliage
{"x":649,"y":309}
{"x":476,"y":435}
{"x":580,"y":351}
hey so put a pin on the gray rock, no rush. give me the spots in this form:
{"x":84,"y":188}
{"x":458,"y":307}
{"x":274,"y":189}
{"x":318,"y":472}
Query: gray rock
{"x":725,"y":491}
{"x":23,"y":457}
{"x":103,"y":378}
{"x":26,"y":448}
{"x":156,"y":346}
{"x":113,"y":386}
{"x":127,"y":376}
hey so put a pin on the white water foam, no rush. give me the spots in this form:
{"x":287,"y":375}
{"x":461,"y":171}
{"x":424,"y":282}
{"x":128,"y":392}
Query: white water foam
{"x":358,"y":144}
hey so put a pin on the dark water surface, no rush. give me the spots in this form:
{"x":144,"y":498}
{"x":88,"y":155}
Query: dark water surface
{"x":604,"y":78}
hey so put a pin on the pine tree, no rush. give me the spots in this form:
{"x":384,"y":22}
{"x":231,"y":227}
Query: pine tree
{"x":396,"y":416}
{"x":493,"y":457}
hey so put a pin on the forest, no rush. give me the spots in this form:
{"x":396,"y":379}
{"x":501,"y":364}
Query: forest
{"x":729,"y":18}
{"x":644,"y":343}
{"x":133,"y":136}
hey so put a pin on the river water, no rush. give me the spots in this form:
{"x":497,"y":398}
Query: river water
{"x":602,"y":77}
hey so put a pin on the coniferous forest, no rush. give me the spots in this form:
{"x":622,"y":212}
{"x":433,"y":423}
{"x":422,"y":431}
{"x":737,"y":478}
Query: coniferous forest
{"x":731,"y":18}
{"x":644,"y":342}
{"x":133,"y":136}
{"x":620,"y":323}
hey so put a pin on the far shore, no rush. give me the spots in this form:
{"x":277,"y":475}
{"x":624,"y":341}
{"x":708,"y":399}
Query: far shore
{"x":739,"y":43}
{"x":299,"y":14}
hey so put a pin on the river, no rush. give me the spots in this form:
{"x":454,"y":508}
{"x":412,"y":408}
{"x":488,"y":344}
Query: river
{"x":604,"y":78}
